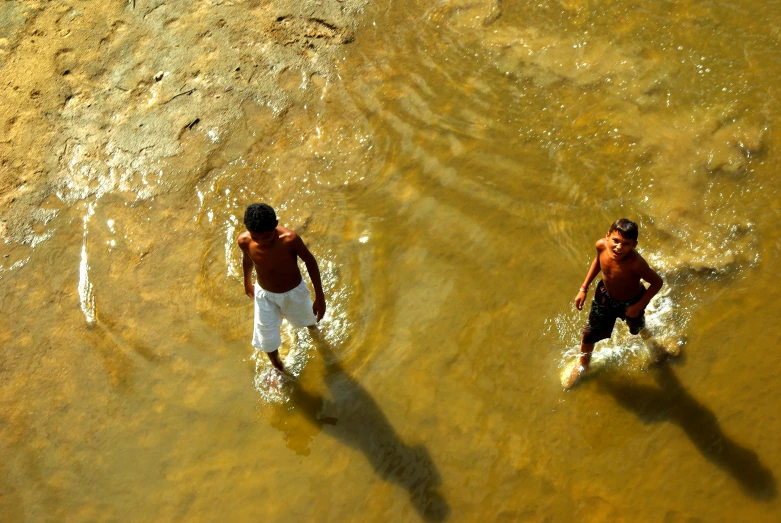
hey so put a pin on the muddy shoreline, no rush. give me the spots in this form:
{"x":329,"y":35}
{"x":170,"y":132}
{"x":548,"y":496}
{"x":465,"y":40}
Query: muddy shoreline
{"x":106,"y":97}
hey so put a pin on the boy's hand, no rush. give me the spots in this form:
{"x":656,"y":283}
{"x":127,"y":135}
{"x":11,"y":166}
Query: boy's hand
{"x":633,"y":311}
{"x":318,"y":308}
{"x":249,"y":290}
{"x":580,"y":299}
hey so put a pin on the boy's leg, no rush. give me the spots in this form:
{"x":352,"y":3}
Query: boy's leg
{"x":601,"y":320}
{"x":585,"y":354}
{"x":599,"y":327}
{"x":277,"y":363}
{"x":297,"y":310}
{"x":656,"y":350}
{"x":297,"y":307}
{"x":637,"y":326}
{"x":266,"y":332}
{"x":570,"y":379}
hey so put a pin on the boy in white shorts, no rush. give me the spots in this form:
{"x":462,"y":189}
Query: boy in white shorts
{"x":273,"y":252}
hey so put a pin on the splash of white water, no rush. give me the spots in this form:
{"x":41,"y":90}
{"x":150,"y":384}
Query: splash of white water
{"x":86,"y":290}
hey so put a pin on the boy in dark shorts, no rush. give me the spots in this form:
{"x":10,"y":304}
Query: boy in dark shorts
{"x":618,"y":295}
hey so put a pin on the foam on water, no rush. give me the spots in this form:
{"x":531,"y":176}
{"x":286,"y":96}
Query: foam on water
{"x":230,"y":231}
{"x":86,"y":289}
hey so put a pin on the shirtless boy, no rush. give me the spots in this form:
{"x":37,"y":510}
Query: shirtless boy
{"x":280,"y":290}
{"x":619,"y":294}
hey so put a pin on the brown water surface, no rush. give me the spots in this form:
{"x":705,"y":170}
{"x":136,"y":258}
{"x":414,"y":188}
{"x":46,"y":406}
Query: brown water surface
{"x":451,"y":178}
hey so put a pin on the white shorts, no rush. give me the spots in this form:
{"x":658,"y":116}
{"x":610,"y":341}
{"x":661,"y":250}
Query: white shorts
{"x":295,"y":305}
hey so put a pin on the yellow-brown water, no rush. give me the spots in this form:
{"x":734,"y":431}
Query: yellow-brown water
{"x":451,"y":181}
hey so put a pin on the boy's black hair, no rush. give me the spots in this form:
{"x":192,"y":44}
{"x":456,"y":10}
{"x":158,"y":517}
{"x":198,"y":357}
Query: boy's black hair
{"x":626,"y":228}
{"x":260,"y":217}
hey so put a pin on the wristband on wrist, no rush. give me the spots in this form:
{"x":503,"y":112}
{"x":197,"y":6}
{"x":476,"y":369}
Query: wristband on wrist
{"x":584,"y":288}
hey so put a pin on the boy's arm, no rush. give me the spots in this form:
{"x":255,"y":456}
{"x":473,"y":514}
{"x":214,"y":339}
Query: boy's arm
{"x":580,"y":299}
{"x":655,"y":281}
{"x":301,"y":250}
{"x":246,"y":265}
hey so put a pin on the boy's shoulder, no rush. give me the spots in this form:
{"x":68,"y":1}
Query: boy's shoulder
{"x":635,"y":262}
{"x":638,"y":260}
{"x":601,"y":244}
{"x":286,"y":235}
{"x":244,"y":239}
{"x":289,"y":238}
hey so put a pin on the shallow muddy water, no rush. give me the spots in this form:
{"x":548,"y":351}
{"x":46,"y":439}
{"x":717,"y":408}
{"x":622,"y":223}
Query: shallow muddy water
{"x":451,"y":177}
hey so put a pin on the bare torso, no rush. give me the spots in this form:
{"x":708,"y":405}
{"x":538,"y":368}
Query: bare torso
{"x":621,"y":277}
{"x":276,"y":263}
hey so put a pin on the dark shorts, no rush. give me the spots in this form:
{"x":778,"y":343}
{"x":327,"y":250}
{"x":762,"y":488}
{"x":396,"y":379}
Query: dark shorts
{"x":605,"y":310}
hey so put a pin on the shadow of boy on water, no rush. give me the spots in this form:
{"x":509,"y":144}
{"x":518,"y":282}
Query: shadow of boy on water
{"x":359,"y":422}
{"x":670,"y":402}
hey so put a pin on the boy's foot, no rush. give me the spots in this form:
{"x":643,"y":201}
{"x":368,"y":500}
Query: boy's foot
{"x":571,"y":376}
{"x":672,"y":347}
{"x":277,"y":364}
{"x":656,"y":350}
{"x":285,"y":373}
{"x":277,"y":377}
{"x":272,"y":379}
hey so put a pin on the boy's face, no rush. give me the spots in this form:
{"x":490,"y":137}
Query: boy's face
{"x":265,"y":238}
{"x":619,"y":246}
